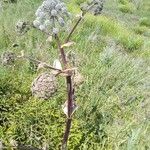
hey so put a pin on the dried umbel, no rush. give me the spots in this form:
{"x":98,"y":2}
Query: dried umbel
{"x":93,"y":6}
{"x":22,"y":27}
{"x":50,"y":16}
{"x":8,"y":58}
{"x":44,"y":86}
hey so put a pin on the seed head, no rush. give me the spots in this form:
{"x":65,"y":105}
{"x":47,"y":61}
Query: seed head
{"x":50,"y":16}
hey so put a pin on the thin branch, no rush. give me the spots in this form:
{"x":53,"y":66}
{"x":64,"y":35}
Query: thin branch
{"x":73,"y":29}
{"x":77,"y":23}
{"x":38,"y":62}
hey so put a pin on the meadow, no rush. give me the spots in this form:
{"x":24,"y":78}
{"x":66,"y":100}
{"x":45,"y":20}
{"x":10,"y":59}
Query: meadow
{"x":113,"y":52}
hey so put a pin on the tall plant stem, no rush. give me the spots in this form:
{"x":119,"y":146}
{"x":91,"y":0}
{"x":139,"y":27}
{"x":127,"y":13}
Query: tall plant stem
{"x":73,"y":29}
{"x":70,"y":95}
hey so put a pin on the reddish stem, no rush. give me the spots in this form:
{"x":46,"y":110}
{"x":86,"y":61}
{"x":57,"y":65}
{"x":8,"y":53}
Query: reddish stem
{"x":70,"y":95}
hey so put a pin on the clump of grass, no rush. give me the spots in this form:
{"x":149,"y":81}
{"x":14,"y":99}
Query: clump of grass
{"x":144,"y":22}
{"x":140,"y":29}
{"x":109,"y":27}
{"x":123,"y":2}
{"x":127,"y":8}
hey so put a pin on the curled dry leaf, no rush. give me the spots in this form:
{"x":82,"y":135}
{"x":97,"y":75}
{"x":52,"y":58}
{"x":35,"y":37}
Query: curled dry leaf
{"x":65,"y":108}
{"x":57,"y":64}
{"x":68,"y":44}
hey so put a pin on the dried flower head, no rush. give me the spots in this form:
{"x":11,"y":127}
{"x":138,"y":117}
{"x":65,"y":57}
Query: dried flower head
{"x":8,"y":58}
{"x":93,"y":6}
{"x":50,"y":16}
{"x":44,"y":86}
{"x":22,"y":27}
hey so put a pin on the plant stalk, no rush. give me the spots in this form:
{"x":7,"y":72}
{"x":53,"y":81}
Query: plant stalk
{"x":70,"y":94}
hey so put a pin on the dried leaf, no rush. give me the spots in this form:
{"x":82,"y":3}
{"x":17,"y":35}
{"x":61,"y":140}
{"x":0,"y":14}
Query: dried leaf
{"x":65,"y":108}
{"x":68,"y":44}
{"x":57,"y":64}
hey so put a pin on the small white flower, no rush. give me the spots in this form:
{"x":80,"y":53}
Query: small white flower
{"x":55,"y":30}
{"x":54,"y":12}
{"x":36,"y":23}
{"x":61,"y":21}
{"x":47,"y":22}
{"x":42,"y":27}
{"x":58,"y":7}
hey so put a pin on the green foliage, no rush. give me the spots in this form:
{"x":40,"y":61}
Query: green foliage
{"x":127,"y":8}
{"x":123,"y":2}
{"x":129,"y":40}
{"x":140,"y":29}
{"x":145,"y":22}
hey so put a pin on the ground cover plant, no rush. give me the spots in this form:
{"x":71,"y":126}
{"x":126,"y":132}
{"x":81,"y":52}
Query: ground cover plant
{"x":112,"y":52}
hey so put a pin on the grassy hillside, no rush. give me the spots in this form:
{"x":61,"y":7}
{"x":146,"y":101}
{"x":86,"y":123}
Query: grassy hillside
{"x":113,"y":50}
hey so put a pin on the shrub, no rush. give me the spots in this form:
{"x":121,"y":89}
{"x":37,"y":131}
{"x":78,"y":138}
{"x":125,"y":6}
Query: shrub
{"x":140,"y":29}
{"x":130,"y":42}
{"x":144,"y":22}
{"x":123,"y":2}
{"x":128,"y":8}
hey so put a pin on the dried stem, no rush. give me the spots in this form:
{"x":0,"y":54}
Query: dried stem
{"x":70,"y":88}
{"x":70,"y":95}
{"x":38,"y":62}
{"x":73,"y":29}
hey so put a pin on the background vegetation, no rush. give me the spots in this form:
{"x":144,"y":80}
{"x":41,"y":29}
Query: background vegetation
{"x":113,"y":50}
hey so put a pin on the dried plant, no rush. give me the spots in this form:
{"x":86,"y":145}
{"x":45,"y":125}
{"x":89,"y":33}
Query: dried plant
{"x":51,"y":18}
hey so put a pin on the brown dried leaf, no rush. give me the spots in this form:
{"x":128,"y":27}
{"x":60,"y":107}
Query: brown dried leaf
{"x":68,"y":44}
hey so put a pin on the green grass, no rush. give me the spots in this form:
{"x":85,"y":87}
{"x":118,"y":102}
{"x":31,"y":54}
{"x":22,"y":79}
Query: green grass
{"x":113,"y":101}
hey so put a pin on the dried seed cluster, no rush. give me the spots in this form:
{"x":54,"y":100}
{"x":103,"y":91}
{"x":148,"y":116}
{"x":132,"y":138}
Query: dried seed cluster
{"x":8,"y":58}
{"x":94,"y":6}
{"x":44,"y":86}
{"x":50,"y":16}
{"x":22,"y":27}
